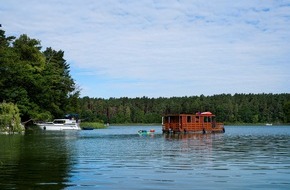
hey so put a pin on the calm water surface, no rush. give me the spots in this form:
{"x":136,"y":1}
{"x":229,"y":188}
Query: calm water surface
{"x":245,"y":157}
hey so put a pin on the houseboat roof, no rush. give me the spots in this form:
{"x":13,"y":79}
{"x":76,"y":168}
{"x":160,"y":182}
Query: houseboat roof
{"x":196,"y":114}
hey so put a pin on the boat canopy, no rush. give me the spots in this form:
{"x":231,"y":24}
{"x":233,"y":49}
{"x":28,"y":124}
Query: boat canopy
{"x":71,"y":116}
{"x":206,"y":113}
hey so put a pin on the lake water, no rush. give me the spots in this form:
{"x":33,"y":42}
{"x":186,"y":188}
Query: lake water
{"x":245,"y":157}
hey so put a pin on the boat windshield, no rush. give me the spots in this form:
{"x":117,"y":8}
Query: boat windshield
{"x":59,"y":121}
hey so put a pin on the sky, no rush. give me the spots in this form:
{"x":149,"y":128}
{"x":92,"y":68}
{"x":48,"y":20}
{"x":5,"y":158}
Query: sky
{"x":162,"y":48}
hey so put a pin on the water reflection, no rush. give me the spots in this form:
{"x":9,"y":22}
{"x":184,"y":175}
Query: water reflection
{"x":195,"y":141}
{"x":119,"y":158}
{"x":34,"y":161}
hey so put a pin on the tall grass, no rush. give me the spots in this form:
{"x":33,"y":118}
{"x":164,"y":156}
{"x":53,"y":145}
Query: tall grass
{"x":94,"y":125}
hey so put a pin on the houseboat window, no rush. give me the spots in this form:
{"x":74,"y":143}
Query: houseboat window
{"x":197,"y":119}
{"x":207,"y":119}
{"x":188,"y":119}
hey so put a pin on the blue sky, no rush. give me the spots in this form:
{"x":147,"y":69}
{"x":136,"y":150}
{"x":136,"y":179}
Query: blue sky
{"x":162,"y":48}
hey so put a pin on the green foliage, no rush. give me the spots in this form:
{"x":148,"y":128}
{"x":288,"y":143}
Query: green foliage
{"x":237,"y":108}
{"x":95,"y":125}
{"x":10,"y":118}
{"x":287,"y":111}
{"x":38,"y":82}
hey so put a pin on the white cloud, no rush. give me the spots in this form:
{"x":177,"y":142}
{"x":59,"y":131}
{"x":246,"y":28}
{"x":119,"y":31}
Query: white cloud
{"x":163,"y":48}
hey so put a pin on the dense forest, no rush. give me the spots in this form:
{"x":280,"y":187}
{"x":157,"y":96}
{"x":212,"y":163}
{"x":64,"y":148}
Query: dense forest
{"x":237,"y":108}
{"x":39,"y":84}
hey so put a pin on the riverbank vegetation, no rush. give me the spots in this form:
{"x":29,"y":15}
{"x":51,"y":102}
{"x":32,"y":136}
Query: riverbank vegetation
{"x":95,"y":125}
{"x":39,"y":84}
{"x":10,"y":118}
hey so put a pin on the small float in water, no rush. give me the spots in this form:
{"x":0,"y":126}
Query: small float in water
{"x":145,"y":132}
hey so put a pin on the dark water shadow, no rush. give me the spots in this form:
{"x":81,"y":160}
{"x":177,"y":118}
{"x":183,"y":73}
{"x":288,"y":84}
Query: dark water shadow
{"x":34,"y":161}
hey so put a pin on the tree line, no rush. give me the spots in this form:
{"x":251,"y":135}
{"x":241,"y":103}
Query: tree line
{"x":237,"y":108}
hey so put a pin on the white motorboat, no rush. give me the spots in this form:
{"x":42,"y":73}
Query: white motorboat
{"x":60,"y":124}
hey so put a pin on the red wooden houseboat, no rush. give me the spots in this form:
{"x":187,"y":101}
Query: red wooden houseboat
{"x":204,"y":122}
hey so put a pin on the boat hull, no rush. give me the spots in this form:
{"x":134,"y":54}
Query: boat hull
{"x":58,"y":127}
